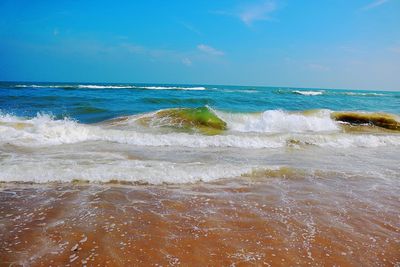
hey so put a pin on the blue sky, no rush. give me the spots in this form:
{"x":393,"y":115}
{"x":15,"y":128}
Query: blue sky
{"x":323,"y":44}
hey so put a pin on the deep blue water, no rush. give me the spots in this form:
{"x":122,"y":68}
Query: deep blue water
{"x":89,"y":103}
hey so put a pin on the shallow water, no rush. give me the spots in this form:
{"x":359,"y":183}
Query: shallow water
{"x":278,"y":219}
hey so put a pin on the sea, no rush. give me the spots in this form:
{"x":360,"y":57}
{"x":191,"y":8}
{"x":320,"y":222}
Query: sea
{"x":169,"y":174}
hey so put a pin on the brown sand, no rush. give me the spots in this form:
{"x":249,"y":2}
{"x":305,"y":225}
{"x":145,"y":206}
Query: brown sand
{"x":246,"y":222}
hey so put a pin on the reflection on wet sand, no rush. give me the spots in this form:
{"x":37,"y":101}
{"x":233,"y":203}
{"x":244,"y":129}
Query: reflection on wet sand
{"x":289,"y":221}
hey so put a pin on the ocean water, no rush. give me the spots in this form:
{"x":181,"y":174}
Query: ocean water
{"x":188,"y":133}
{"x":162,"y":175}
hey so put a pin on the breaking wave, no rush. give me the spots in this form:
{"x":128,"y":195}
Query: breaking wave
{"x":362,"y":94}
{"x":329,"y":92}
{"x":308,"y":93}
{"x":121,"y":170}
{"x":202,"y":119}
{"x":270,"y":129}
{"x":279,"y":121}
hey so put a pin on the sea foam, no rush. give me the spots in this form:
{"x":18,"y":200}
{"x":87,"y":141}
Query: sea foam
{"x":278,"y":121}
{"x":308,"y":93}
{"x":153,"y":172}
{"x":96,"y":86}
{"x":43,"y":130}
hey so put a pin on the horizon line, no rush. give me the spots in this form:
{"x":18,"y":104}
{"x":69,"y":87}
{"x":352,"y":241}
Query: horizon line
{"x":204,"y":84}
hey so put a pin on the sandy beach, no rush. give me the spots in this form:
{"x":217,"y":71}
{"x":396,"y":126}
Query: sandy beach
{"x":286,"y":220}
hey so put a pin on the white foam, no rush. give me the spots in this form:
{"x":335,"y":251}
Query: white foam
{"x":50,"y":160}
{"x":84,"y":86}
{"x":38,"y":86}
{"x":362,"y":94}
{"x":350,"y":140}
{"x":278,"y":121}
{"x":141,"y":87}
{"x":250,"y":91}
{"x":95,"y":86}
{"x":309,"y":93}
{"x":43,"y":130}
{"x":104,"y":86}
{"x":154,"y":172}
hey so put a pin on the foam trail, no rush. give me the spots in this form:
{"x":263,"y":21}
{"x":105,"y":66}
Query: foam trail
{"x":152,"y":172}
{"x":308,"y":93}
{"x":95,"y":86}
{"x":104,"y":86}
{"x":362,"y":94}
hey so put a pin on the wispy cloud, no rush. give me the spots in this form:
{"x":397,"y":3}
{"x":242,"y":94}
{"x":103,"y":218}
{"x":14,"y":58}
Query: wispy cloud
{"x":318,"y":67}
{"x":186,"y":61}
{"x":152,"y":53}
{"x":190,"y":27}
{"x":250,"y":13}
{"x":187,"y":58}
{"x":374,"y":4}
{"x":256,"y":12}
{"x":210,"y":50}
{"x":135,"y":49}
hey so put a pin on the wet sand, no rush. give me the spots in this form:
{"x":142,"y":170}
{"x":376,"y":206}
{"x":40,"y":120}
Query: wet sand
{"x":271,"y":221}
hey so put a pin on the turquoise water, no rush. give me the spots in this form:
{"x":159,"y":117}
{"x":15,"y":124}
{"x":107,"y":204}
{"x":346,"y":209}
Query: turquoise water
{"x":190,"y":133}
{"x":89,"y":103}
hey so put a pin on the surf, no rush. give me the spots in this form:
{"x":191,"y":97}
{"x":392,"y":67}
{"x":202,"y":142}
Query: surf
{"x":102,"y":86}
{"x":197,"y":128}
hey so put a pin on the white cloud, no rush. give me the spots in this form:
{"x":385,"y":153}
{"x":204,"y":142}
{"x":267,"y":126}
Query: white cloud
{"x":134,"y":49}
{"x":190,"y":27}
{"x":210,"y":50}
{"x":248,"y":14}
{"x":318,"y":67}
{"x":186,"y":61}
{"x":260,"y":11}
{"x":147,"y":51}
{"x":374,"y":4}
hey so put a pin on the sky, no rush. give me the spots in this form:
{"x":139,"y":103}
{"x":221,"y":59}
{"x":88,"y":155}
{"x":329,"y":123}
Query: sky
{"x":295,"y":43}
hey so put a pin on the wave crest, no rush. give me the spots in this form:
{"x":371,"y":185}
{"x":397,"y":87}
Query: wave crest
{"x":202,"y":119}
{"x":308,"y":93}
{"x":279,"y":121}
